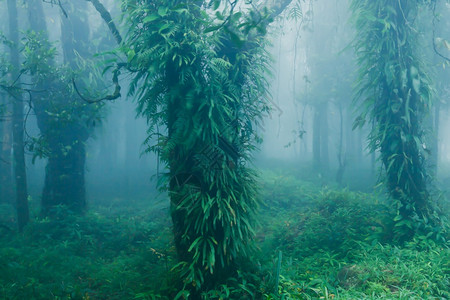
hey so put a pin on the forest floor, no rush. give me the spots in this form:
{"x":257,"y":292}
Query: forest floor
{"x":334,"y":244}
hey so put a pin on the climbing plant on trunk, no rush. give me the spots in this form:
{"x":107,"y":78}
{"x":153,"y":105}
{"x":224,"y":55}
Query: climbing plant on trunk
{"x":396,"y":94}
{"x":203,"y":82}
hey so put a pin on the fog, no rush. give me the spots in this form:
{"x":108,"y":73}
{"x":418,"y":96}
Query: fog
{"x":207,"y":149}
{"x":313,"y":65}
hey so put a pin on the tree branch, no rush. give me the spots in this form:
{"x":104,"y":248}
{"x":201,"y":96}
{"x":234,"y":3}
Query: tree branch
{"x":106,"y":16}
{"x":434,"y":35}
{"x":114,"y":96}
{"x":58,"y":3}
{"x":275,"y":7}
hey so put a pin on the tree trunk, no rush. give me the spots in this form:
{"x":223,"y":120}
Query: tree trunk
{"x":398,"y":132}
{"x":20,"y":174}
{"x":36,"y":16}
{"x":64,"y":178}
{"x":434,"y":139}
{"x":324,"y":153}
{"x":341,"y":156}
{"x":6,"y":174}
{"x":316,"y":138}
{"x":359,"y":148}
{"x":65,"y":171}
{"x":349,"y":136}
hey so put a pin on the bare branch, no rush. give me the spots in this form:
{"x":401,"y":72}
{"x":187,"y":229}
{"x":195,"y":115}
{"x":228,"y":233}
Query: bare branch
{"x":59,"y":4}
{"x":114,"y":96}
{"x":106,"y":16}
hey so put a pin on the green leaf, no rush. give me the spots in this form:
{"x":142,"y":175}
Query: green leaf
{"x":197,"y":240}
{"x":219,"y":16}
{"x":216,"y":4}
{"x":150,"y":18}
{"x":162,"y":11}
{"x":212,"y":28}
{"x":236,"y":39}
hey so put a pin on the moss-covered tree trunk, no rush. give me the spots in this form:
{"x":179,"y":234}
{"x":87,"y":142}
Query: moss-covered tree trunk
{"x":64,"y":173}
{"x":206,"y":95}
{"x":398,"y":96}
{"x":64,"y":137}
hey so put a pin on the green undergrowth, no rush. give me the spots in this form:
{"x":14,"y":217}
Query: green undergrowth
{"x":337,"y":244}
{"x":110,"y":253}
{"x":334,"y":244}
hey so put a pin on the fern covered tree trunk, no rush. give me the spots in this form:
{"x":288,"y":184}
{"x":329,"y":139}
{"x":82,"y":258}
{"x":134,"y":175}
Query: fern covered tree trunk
{"x":397,"y":94}
{"x":207,"y":95}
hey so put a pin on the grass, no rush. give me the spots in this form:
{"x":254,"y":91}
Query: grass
{"x":107,"y":254}
{"x":335,"y":244}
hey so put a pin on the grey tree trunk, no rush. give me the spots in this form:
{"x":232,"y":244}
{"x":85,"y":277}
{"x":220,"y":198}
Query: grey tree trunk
{"x":20,"y":174}
{"x":434,"y":140}
{"x":6,"y":175}
{"x":324,"y":153}
{"x":341,"y":155}
{"x":316,"y":138}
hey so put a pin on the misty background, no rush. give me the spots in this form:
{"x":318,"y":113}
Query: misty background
{"x":310,"y":127}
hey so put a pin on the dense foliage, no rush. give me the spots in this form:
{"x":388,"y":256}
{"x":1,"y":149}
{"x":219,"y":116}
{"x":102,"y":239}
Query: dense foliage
{"x":198,"y":73}
{"x":201,"y":90}
{"x":332,"y":241}
{"x":396,"y":93}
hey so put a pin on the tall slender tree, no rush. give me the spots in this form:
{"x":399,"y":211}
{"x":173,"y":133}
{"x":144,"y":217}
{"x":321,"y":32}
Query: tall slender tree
{"x":20,"y":174}
{"x":6,"y":174}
